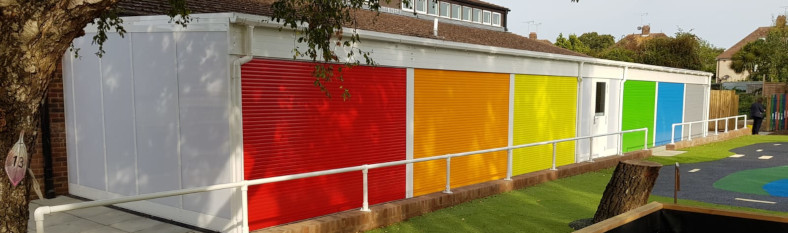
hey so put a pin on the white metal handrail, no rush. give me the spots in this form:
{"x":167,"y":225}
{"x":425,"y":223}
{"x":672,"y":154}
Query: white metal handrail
{"x":41,"y":211}
{"x":716,"y":124}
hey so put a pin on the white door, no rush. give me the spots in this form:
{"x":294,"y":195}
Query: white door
{"x":599,"y":125}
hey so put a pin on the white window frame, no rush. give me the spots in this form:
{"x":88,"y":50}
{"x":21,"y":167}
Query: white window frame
{"x":448,"y":10}
{"x":437,"y":5}
{"x":478,"y":13}
{"x":489,"y":19}
{"x":492,"y":19}
{"x":458,"y":15}
{"x":405,"y":8}
{"x":467,"y":11}
{"x":423,"y":4}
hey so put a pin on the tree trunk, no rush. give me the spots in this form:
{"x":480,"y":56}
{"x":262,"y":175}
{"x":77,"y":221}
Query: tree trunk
{"x":35,"y":34}
{"x":629,"y":188}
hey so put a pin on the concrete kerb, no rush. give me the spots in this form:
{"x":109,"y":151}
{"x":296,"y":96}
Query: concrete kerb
{"x":396,"y":211}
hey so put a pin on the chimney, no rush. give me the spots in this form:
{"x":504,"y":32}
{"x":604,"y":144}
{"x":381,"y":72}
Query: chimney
{"x":532,"y":35}
{"x":646,"y":30}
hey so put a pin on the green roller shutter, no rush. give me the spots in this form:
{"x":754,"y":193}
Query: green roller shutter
{"x":639,"y":97}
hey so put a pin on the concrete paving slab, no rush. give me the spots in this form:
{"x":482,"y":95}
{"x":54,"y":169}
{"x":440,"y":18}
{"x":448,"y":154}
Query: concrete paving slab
{"x":667,"y":153}
{"x":90,"y":212}
{"x":77,"y":226}
{"x":104,"y":229}
{"x":114,"y":217}
{"x":166,"y":229}
{"x":135,"y":225}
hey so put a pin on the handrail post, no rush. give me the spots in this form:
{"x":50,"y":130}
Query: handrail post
{"x":554,"y":148}
{"x":591,"y":149}
{"x":716,"y":125}
{"x":745,"y":121}
{"x":736,"y":126}
{"x":726,"y":124}
{"x":365,"y":205}
{"x":689,"y":133}
{"x":645,"y":140}
{"x":673,"y":134}
{"x":245,"y":209}
{"x":620,"y":143}
{"x":448,"y":175}
{"x":509,"y":162}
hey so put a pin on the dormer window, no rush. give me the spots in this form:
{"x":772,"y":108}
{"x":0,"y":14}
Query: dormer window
{"x":496,"y":19}
{"x":455,"y":11}
{"x":444,"y":10}
{"x":432,"y":7}
{"x":421,"y":6}
{"x":407,"y":6}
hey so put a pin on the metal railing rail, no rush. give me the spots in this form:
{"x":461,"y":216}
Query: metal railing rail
{"x":716,"y":125}
{"x":40,"y":212}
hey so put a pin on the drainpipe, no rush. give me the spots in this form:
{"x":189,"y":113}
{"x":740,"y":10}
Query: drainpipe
{"x":46,"y":150}
{"x":236,"y":99}
{"x":706,"y":109}
{"x":579,"y":116}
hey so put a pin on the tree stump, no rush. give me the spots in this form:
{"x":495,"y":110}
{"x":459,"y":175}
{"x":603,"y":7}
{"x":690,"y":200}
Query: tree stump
{"x":629,"y":188}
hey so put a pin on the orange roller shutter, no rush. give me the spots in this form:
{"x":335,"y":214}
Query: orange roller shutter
{"x":459,"y":112}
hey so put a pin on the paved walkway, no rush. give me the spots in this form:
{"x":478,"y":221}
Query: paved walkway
{"x":97,"y":219}
{"x":698,"y":179}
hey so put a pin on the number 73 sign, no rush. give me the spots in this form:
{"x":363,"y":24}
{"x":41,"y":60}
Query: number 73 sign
{"x":16,"y":161}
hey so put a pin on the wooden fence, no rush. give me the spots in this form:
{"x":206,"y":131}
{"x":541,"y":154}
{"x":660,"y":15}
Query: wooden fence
{"x":723,"y":103}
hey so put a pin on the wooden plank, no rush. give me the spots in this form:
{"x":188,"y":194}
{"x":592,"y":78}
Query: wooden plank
{"x":622,"y":219}
{"x":729,"y":213}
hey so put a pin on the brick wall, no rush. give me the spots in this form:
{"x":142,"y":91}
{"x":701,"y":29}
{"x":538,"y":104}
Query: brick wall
{"x":58,"y":139}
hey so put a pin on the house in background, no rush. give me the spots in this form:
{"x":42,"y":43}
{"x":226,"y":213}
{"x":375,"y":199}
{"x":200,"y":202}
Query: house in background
{"x":724,"y":71}
{"x":633,"y":41}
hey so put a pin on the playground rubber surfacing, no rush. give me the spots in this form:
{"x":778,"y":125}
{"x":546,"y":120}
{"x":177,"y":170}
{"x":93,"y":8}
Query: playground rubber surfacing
{"x":756,"y":177}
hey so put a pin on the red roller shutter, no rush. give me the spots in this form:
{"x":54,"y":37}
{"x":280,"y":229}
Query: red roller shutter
{"x":290,"y":127}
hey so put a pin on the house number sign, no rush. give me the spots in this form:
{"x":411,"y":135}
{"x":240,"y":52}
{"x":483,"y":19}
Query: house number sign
{"x":16,"y":161}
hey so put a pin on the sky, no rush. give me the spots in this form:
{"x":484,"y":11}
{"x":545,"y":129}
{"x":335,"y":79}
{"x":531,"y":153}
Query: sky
{"x":720,"y":22}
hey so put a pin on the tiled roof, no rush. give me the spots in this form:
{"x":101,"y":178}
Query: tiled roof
{"x":758,"y":33}
{"x":632,"y":41}
{"x":387,"y":23}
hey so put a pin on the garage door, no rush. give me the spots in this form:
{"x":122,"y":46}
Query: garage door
{"x":459,"y":112}
{"x":670,"y":110}
{"x":638,"y":112}
{"x":545,"y":108}
{"x":290,"y":127}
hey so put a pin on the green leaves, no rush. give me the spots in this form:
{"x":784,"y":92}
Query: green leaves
{"x":107,"y":21}
{"x":320,"y":25}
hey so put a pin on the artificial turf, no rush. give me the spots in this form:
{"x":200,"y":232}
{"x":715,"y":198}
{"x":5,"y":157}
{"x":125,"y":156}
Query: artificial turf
{"x":551,"y":206}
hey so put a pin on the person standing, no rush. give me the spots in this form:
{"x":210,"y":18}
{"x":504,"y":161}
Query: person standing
{"x":757,"y":112}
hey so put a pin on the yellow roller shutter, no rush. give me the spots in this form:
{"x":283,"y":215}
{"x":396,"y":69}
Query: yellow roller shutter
{"x":545,"y":108}
{"x":459,"y":112}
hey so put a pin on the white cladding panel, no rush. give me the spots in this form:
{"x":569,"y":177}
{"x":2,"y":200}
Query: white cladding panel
{"x":156,"y":104}
{"x":204,"y":119}
{"x":117,"y":86}
{"x":88,"y":128}
{"x":269,"y":42}
{"x":164,"y":99}
{"x":601,"y":71}
{"x":660,"y":76}
{"x":613,"y":114}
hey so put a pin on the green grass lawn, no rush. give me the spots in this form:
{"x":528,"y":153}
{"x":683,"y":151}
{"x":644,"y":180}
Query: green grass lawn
{"x":551,"y":206}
